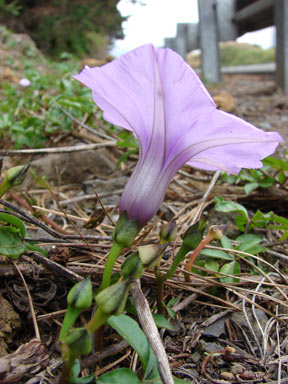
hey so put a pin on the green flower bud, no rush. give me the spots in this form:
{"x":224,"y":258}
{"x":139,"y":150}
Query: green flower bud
{"x":125,"y":230}
{"x":151,"y":254}
{"x":79,"y":341}
{"x":215,"y":232}
{"x":80,"y":296}
{"x":194,"y":234}
{"x":112,"y":300}
{"x":16,"y":175}
{"x":168,"y":232}
{"x":132,"y":266}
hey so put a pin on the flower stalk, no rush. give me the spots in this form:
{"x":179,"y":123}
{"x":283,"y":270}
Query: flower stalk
{"x":215,"y":233}
{"x":111,"y":260}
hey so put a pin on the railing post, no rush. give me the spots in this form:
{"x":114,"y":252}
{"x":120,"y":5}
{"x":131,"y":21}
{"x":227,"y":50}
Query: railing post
{"x":181,"y":40}
{"x":281,"y":22}
{"x":209,"y":40}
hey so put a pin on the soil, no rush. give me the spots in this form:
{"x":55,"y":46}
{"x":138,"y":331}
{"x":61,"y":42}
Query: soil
{"x":223,"y":333}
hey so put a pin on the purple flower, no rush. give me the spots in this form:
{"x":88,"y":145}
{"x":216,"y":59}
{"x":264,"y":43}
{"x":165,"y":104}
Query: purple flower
{"x":156,"y":95}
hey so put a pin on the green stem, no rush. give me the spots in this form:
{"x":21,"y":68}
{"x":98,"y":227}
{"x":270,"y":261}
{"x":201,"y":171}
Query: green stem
{"x":112,"y":257}
{"x":4,"y":187}
{"x":65,"y":374}
{"x":160,"y":280}
{"x":179,"y":257}
{"x":66,"y":366}
{"x":98,"y":319}
{"x":69,"y":319}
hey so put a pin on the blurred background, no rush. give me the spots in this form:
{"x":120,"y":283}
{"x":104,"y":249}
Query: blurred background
{"x":97,"y":28}
{"x":43,"y":43}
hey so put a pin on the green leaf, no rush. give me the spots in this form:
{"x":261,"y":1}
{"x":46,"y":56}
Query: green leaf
{"x":271,"y":221}
{"x":162,"y":322}
{"x":119,"y":376}
{"x":211,"y":265}
{"x":198,"y":263}
{"x":281,"y":177}
{"x":179,"y":381}
{"x":11,"y":244}
{"x":260,"y":219}
{"x":11,"y":219}
{"x":249,"y":243}
{"x":267,"y":182}
{"x":232,"y":268}
{"x":226,"y":243}
{"x":217,"y":254}
{"x":230,"y":206}
{"x":85,"y":380}
{"x":75,"y":371}
{"x":241,"y":222}
{"x":277,"y":164}
{"x":35,"y":248}
{"x":124,"y":157}
{"x":247,"y":177}
{"x":231,"y":179}
{"x":169,"y":306}
{"x":133,"y":334}
{"x":249,"y":187}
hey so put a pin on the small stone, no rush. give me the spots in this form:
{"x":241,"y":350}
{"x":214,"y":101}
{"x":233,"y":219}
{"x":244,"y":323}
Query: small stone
{"x":227,"y":376}
{"x":225,"y":102}
{"x":195,"y":358}
{"x":236,"y":368}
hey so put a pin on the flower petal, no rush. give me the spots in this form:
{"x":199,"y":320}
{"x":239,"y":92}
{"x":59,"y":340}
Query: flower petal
{"x":223,"y":141}
{"x":127,"y":90}
{"x":124,"y":90}
{"x":185,"y":97}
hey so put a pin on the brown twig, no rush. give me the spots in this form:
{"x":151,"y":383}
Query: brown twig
{"x":104,"y":209}
{"x":55,"y":267}
{"x":146,"y":319}
{"x":36,"y":328}
{"x":30,"y":208}
{"x":40,"y":151}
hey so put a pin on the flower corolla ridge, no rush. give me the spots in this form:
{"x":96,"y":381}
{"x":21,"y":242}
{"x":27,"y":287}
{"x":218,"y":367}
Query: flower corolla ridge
{"x":155,"y":94}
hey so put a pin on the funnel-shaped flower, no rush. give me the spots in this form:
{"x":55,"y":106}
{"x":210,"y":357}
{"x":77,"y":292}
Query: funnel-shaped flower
{"x":155,"y":94}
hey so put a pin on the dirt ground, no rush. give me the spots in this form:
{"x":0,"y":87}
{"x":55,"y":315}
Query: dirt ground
{"x":223,"y":333}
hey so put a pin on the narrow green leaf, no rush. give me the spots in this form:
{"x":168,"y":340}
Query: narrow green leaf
{"x":162,"y":322}
{"x":119,"y":376}
{"x":217,"y":254}
{"x":133,"y":334}
{"x":11,"y":219}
